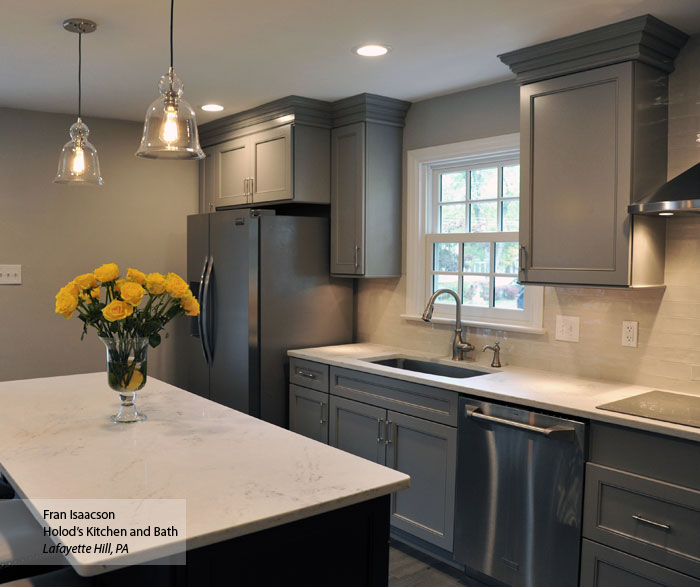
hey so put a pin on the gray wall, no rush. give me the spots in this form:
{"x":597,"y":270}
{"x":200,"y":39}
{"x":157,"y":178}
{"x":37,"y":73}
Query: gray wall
{"x":137,"y":219}
{"x":473,"y":114}
{"x":668,"y":355}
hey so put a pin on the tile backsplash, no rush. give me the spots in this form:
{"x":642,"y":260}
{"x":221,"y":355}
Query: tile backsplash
{"x":668,"y":353}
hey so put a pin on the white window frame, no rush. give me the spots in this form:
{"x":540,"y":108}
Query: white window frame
{"x":422,"y":166}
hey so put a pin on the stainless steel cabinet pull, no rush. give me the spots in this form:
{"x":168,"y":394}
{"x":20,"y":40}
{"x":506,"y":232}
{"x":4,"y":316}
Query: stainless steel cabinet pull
{"x":308,"y":374}
{"x":323,"y":420}
{"x":389,"y":432}
{"x":522,"y":253}
{"x":380,"y":438}
{"x":650,"y":523}
{"x":555,"y":432}
{"x":357,"y":256}
{"x":245,"y":188}
{"x":252,"y":186}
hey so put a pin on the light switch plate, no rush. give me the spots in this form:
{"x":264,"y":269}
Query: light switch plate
{"x":567,"y":328}
{"x":630,"y":332}
{"x":10,"y":275}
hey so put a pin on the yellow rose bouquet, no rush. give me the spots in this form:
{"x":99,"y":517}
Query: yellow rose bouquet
{"x":128,"y":315}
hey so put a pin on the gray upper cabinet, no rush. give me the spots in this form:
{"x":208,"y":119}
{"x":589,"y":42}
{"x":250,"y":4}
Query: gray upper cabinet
{"x":366,"y":164}
{"x":593,"y":141}
{"x":278,"y":152}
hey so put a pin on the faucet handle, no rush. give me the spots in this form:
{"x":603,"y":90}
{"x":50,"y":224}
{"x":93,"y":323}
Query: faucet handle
{"x":496,"y":348}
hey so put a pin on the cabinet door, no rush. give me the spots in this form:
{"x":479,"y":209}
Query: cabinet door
{"x":357,"y":428}
{"x":602,"y":566}
{"x":348,"y":199}
{"x":272,"y":164}
{"x":576,"y":136}
{"x":226,"y":168}
{"x":308,"y":413}
{"x":426,"y":451}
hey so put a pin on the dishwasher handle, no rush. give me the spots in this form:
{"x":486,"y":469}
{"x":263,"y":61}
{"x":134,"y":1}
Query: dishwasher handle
{"x":554,"y":432}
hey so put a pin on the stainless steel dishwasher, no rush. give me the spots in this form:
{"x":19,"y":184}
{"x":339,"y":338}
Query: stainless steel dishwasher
{"x":519,"y":495}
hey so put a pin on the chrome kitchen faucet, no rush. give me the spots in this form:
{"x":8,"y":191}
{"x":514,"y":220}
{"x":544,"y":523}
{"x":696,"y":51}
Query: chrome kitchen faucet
{"x":459,"y":346}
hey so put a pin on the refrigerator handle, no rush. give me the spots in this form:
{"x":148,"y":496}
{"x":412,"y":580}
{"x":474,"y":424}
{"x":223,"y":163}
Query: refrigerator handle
{"x":204,"y":314}
{"x":200,"y":316}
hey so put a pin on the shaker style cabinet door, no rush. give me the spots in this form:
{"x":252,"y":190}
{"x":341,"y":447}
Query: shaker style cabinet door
{"x":226,"y":169}
{"x":576,"y":155}
{"x":357,"y":428}
{"x":348,"y":199}
{"x":271,"y":175}
{"x":426,"y":451}
{"x":308,"y":413}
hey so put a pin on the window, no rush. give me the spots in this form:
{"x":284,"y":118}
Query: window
{"x":463,"y":219}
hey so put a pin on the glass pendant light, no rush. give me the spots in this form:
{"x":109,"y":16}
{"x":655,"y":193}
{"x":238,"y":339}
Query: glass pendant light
{"x":78,"y":164}
{"x":170,"y":129}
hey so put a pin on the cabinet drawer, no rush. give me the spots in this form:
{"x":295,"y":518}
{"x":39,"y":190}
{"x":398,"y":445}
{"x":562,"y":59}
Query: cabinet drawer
{"x":602,"y":566}
{"x":657,"y":521}
{"x":308,"y":374}
{"x":430,"y":403}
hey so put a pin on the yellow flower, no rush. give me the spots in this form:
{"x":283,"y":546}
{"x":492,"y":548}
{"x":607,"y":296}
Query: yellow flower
{"x":118,"y":284}
{"x":117,"y":310}
{"x":190,"y":305}
{"x":155,"y":283}
{"x":131,"y":292}
{"x":107,"y":272}
{"x":66,"y":303}
{"x":136,"y":276}
{"x":93,"y":293}
{"x":85,"y":281}
{"x":176,"y":286}
{"x":70,"y":288}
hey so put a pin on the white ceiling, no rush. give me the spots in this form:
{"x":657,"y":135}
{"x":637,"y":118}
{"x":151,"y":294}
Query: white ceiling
{"x":242,"y":53}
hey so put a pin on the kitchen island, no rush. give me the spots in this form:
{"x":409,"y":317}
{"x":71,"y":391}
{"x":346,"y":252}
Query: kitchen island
{"x":262,"y":503}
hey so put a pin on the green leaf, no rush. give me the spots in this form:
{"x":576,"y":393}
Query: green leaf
{"x":154,"y":339}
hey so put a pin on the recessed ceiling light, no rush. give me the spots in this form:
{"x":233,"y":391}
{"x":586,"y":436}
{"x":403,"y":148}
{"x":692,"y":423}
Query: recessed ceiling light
{"x":372,"y":50}
{"x":212,"y":107}
{"x":665,"y":213}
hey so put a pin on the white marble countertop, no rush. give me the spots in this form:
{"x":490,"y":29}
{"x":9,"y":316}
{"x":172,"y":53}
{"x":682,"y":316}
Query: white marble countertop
{"x":542,"y":390}
{"x":238,"y":474}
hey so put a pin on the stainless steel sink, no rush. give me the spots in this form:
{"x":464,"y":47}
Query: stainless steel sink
{"x":427,"y":367}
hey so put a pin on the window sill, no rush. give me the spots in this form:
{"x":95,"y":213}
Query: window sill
{"x":477,"y":324}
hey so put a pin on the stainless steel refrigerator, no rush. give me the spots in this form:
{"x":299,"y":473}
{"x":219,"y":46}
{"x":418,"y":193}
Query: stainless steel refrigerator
{"x":264,"y":287}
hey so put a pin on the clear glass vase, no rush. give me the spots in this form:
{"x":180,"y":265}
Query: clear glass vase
{"x":126,"y":374}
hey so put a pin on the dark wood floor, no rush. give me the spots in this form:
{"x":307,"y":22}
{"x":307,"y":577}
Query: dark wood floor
{"x":411,"y":568}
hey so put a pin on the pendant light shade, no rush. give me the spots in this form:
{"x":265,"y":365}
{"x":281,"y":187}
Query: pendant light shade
{"x":78,"y":163}
{"x":170,"y":129}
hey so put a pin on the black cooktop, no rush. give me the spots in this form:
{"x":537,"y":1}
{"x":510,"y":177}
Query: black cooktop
{"x":660,"y":405}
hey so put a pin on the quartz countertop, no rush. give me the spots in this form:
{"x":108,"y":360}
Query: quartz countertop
{"x":238,"y":474}
{"x":543,"y":390}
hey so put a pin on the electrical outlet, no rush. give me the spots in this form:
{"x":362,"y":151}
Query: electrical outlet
{"x":630,"y":331}
{"x":10,"y":275}
{"x":567,"y":328}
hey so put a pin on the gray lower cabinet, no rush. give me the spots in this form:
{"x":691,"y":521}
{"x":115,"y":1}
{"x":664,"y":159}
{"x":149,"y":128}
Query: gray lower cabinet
{"x":641,"y":510}
{"x":602,"y":566}
{"x":308,"y":413}
{"x":420,"y":448}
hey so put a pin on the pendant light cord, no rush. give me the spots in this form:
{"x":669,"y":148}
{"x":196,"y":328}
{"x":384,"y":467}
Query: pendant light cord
{"x":80,"y":67}
{"x":172,"y":10}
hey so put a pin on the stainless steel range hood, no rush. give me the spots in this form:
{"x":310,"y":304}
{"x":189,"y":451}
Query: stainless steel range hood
{"x":680,"y":196}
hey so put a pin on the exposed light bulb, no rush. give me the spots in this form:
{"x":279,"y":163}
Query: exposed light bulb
{"x":78,"y":165}
{"x":170,"y":133}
